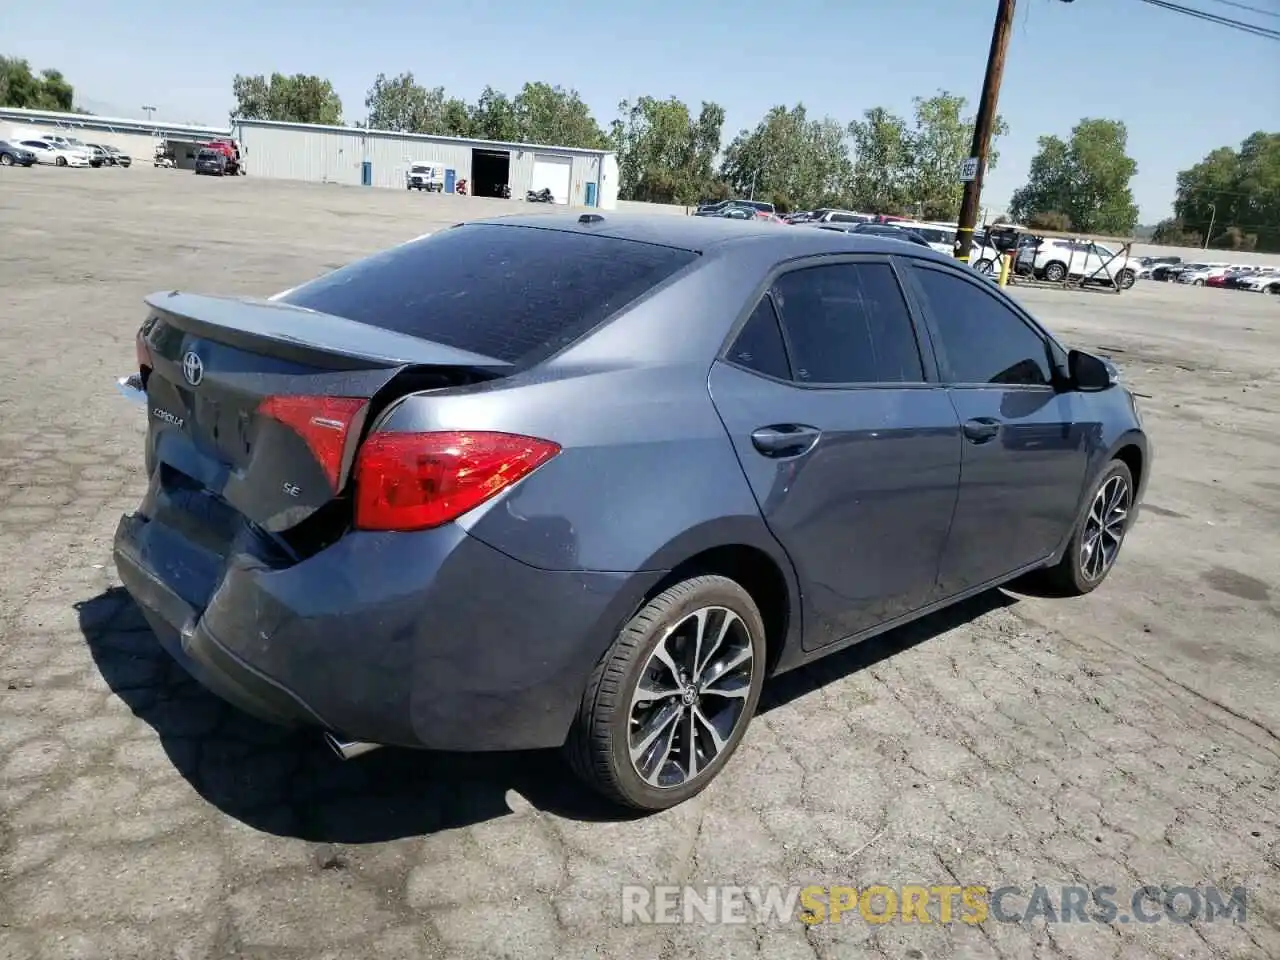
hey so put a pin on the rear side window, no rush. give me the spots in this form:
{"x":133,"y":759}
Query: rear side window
{"x":759,"y":346}
{"x":516,"y":294}
{"x":848,"y":323}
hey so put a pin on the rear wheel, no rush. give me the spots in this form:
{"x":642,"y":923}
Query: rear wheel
{"x":1096,"y":543}
{"x":6,"y":160}
{"x":1197,"y":283}
{"x":670,"y":701}
{"x":986,"y":266}
{"x":1055,"y":272}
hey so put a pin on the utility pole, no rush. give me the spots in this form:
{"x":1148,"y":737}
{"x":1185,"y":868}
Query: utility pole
{"x":149,"y":110}
{"x":973,"y":174}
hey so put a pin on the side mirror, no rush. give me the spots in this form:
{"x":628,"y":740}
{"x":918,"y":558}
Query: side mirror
{"x":1089,"y":373}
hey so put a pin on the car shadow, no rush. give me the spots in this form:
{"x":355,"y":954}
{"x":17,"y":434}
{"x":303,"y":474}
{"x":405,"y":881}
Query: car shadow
{"x":289,"y":783}
{"x":794,"y":684}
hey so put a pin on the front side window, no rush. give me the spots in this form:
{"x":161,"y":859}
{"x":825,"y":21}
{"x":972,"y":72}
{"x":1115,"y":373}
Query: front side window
{"x":848,"y":323}
{"x":982,"y":339}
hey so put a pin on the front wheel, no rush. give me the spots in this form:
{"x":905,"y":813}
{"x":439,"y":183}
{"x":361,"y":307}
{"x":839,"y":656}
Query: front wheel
{"x":1100,"y":533}
{"x":1197,"y":283}
{"x":1055,"y":272}
{"x":670,"y":701}
{"x":1126,"y":279}
{"x":986,"y":266}
{"x":60,"y":162}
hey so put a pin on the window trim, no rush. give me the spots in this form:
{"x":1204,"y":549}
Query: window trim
{"x":924,"y":345}
{"x":1047,"y":340}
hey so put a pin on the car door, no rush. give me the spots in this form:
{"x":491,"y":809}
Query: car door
{"x":850,"y":444}
{"x":1025,"y":446}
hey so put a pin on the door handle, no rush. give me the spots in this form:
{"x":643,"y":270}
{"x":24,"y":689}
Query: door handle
{"x":785,"y":439}
{"x":981,"y":429}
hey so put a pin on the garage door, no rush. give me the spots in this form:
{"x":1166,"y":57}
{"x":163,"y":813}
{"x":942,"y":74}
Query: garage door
{"x":553,"y":173}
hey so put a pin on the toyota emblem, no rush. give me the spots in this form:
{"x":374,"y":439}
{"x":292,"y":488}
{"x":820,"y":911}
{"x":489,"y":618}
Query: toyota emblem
{"x":192,"y":368}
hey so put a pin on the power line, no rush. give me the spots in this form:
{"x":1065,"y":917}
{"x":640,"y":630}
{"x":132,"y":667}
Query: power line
{"x":1257,"y":31}
{"x":1245,"y":6}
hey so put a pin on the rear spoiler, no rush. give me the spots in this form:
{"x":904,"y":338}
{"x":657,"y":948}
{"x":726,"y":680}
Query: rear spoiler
{"x":307,"y":336}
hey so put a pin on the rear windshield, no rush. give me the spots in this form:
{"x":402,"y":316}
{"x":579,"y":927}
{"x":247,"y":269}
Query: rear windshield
{"x":516,"y":294}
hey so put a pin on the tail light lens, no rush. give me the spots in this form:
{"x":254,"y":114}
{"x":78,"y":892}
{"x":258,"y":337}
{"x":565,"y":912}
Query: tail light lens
{"x":323,"y":422}
{"x":412,"y":481}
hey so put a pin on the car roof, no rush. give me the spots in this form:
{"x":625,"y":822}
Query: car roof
{"x":711,"y":234}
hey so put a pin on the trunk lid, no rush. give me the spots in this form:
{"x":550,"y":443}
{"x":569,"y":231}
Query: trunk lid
{"x":258,"y":406}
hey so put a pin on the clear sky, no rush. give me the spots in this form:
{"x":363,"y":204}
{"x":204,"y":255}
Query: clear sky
{"x":1182,"y":86}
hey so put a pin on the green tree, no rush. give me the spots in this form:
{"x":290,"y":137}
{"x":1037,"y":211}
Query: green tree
{"x":494,"y":117}
{"x":1085,"y":178}
{"x":1174,"y":232}
{"x":20,"y":87}
{"x":1049,"y":220}
{"x":937,"y":148}
{"x":881,"y":164}
{"x":790,"y":159}
{"x":553,"y":115}
{"x":665,"y":155}
{"x":1237,"y":191}
{"x":300,"y":98}
{"x":401,"y":103}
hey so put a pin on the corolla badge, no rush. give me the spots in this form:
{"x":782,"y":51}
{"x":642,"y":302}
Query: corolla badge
{"x":192,"y":368}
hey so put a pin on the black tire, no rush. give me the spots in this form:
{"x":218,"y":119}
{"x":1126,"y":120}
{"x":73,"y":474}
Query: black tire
{"x":1274,"y":289}
{"x":598,"y":747}
{"x":6,"y":160}
{"x":1054,"y":271}
{"x":1197,"y":283}
{"x":986,"y":266}
{"x":1126,"y":279}
{"x":59,"y":161}
{"x":1069,"y":577}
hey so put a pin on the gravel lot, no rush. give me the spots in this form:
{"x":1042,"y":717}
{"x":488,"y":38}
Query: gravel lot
{"x":1127,"y":738}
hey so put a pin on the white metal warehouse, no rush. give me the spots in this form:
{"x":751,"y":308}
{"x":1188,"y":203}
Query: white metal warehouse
{"x":381,"y":158}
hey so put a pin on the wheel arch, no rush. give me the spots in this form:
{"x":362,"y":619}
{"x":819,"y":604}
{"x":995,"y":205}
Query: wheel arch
{"x":742,"y":549}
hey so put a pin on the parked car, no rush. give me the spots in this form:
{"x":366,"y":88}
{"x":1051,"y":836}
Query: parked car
{"x":110,"y":156}
{"x":495,"y":535}
{"x":211,"y":162}
{"x":60,"y":156}
{"x":759,"y":208}
{"x":1266,"y":280}
{"x":890,"y":231}
{"x":75,"y":145}
{"x":828,"y":215}
{"x":15,"y":155}
{"x":1199,"y":273}
{"x":118,"y":157}
{"x":940,"y":238}
{"x":1055,"y":260}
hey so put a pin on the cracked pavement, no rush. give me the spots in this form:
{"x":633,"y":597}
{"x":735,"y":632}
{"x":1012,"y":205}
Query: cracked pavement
{"x":1126,"y":738}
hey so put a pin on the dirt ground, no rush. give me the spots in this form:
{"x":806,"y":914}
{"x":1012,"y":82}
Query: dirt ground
{"x":1128,"y":738}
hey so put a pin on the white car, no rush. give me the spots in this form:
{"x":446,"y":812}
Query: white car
{"x":940,"y":237}
{"x":1266,"y":280}
{"x":1054,"y":260}
{"x":47,"y":152}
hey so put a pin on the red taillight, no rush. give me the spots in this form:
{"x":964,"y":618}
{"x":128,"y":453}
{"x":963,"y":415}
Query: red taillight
{"x":323,"y":422}
{"x":411,"y":481}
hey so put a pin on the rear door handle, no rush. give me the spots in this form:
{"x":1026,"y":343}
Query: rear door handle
{"x":786,"y":439}
{"x":981,"y":429}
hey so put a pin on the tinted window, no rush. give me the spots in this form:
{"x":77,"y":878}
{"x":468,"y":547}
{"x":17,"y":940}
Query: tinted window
{"x":759,"y":346}
{"x":983,"y":340}
{"x":513,"y":293}
{"x":848,"y":323}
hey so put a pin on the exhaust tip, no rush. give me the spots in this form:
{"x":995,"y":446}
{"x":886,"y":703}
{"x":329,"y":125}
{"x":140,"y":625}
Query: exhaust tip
{"x":349,"y":749}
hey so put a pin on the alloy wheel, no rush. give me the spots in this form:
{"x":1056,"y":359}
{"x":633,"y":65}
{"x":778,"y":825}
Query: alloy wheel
{"x":1055,"y":272}
{"x":1104,"y":528}
{"x":690,"y":697}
